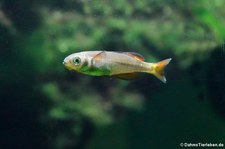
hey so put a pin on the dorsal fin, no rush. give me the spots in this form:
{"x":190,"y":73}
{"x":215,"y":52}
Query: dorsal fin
{"x":135,"y":55}
{"x":126,"y":76}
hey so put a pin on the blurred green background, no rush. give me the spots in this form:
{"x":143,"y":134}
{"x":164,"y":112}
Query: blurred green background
{"x":44,"y":106}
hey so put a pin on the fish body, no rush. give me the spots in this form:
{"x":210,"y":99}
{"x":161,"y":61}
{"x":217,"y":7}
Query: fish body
{"x":124,"y":65}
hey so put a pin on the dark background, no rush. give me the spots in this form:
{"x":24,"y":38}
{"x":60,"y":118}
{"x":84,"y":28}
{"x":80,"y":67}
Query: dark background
{"x":43,"y":105}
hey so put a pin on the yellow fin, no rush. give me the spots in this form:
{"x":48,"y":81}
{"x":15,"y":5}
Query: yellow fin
{"x":135,"y":55}
{"x":159,"y":69}
{"x":126,"y":76}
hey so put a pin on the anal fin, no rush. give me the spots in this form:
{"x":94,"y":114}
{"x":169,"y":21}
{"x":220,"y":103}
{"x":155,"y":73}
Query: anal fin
{"x":126,"y":76}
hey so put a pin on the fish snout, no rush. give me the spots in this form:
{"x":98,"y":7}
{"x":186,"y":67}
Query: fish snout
{"x":65,"y":61}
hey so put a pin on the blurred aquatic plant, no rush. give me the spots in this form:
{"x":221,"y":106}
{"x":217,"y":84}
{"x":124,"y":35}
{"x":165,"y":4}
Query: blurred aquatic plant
{"x":98,"y":23}
{"x":83,"y":105}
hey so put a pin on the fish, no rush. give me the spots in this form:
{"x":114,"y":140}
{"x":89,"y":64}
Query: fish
{"x":123,"y":65}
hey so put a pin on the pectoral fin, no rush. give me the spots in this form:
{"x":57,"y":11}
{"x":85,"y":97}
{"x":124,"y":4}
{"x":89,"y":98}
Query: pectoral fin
{"x":97,"y":60}
{"x":99,"y":56}
{"x":126,"y":76}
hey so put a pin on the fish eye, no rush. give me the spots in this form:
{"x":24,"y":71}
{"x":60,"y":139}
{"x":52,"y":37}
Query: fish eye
{"x":76,"y":61}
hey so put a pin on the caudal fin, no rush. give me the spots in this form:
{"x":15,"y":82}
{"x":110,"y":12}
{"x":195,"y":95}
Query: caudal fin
{"x":159,"y":69}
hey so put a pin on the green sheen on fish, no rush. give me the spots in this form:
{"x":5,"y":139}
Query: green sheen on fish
{"x":124,"y":65}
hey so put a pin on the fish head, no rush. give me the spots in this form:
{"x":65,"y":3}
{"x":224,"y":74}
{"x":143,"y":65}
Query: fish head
{"x":76,"y":62}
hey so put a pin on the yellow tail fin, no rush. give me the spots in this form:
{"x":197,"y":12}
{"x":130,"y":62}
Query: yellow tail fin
{"x":159,"y":69}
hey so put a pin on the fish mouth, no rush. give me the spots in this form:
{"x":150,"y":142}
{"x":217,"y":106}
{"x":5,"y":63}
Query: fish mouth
{"x":68,"y":65}
{"x":65,"y":61}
